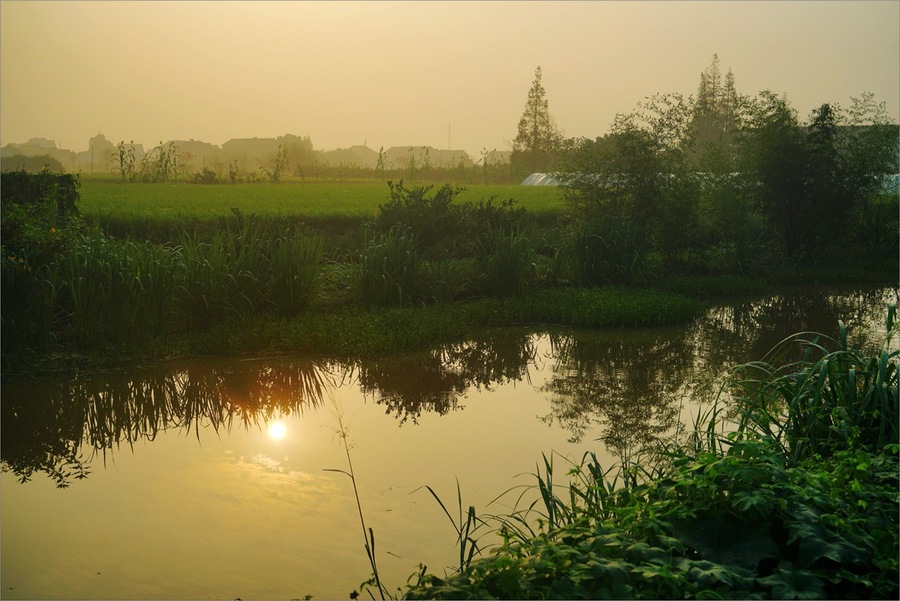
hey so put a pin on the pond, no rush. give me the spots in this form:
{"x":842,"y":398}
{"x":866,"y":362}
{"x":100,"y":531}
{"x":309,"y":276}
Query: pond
{"x":215,"y":478}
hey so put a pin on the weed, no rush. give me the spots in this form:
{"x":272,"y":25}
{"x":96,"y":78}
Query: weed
{"x":368,"y":534}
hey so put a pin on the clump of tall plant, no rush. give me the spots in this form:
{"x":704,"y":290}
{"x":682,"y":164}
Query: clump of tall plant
{"x":389,"y":269}
{"x":39,"y":224}
{"x":506,"y":261}
{"x":833,"y":398}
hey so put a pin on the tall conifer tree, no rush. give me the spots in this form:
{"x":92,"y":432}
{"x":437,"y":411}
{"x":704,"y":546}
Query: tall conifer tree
{"x":538,"y":140}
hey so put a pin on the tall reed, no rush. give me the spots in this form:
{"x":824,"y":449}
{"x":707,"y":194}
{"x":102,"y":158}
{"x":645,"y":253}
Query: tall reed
{"x":389,"y":269}
{"x":29,"y":290}
{"x":507,"y":263}
{"x":825,"y":402}
{"x":368,"y":534}
{"x":295,"y":272}
{"x":110,"y":289}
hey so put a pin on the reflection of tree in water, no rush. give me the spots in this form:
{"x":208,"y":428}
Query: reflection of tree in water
{"x":434,"y":381}
{"x":735,"y":333}
{"x":51,"y":428}
{"x":628,"y":384}
{"x":632,"y":386}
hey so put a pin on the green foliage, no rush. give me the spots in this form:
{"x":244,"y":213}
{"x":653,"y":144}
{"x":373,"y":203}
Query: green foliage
{"x":295,"y":267}
{"x":206,"y":176}
{"x":278,"y":164}
{"x":432,"y":218}
{"x":727,"y":184}
{"x":159,"y":165}
{"x":507,"y":263}
{"x":42,"y":196}
{"x":124,"y":159}
{"x":105,"y":285}
{"x":826,"y":402}
{"x":538,"y":141}
{"x":734,"y":516}
{"x":609,"y":252}
{"x":813,"y":180}
{"x":38,"y":227}
{"x":389,"y":270}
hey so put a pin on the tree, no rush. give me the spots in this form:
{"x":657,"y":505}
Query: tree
{"x":538,"y":140}
{"x":716,"y":117}
{"x":812,"y":182}
{"x":629,"y":191}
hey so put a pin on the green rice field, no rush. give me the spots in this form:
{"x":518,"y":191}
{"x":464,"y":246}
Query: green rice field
{"x":312,"y":199}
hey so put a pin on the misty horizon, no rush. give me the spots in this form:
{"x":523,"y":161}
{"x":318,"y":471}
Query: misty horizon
{"x":400,"y":73}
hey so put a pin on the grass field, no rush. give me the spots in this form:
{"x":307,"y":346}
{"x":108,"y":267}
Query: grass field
{"x":312,"y":199}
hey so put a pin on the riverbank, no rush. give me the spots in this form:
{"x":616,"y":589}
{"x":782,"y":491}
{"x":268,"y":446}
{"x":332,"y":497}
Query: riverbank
{"x":347,"y":331}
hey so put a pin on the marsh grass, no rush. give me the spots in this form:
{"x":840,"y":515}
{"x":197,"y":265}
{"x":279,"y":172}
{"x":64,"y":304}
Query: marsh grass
{"x":343,"y":433}
{"x":466,"y":524}
{"x":507,"y":263}
{"x":104,"y":285}
{"x":29,"y":291}
{"x":834,"y":398}
{"x":295,"y":272}
{"x":389,"y":269}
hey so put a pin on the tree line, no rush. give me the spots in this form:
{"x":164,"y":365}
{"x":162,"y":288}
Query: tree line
{"x":742,"y":176}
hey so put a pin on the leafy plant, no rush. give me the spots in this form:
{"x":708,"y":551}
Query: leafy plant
{"x":507,"y":263}
{"x":389,"y":269}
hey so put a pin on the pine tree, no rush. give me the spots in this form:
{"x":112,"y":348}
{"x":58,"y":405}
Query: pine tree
{"x":538,"y":140}
{"x":715,"y":111}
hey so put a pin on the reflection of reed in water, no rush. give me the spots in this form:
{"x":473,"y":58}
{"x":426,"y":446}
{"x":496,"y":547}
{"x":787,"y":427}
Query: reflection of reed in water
{"x":50,"y":431}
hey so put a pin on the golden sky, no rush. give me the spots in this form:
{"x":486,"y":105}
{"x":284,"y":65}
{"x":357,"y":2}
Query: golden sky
{"x":412,"y":73}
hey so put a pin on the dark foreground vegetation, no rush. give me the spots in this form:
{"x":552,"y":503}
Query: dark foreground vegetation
{"x":797,"y":501}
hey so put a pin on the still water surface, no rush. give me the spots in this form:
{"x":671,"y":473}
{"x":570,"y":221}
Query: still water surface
{"x":210,"y":478}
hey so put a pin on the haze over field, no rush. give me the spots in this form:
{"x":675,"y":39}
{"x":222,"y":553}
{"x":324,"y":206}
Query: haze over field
{"x":404,"y":73}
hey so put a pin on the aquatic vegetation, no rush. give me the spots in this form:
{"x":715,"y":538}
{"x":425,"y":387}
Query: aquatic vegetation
{"x":797,"y":500}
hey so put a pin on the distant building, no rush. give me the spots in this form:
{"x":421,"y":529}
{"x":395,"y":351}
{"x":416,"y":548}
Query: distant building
{"x":496,"y":157}
{"x":358,"y":156}
{"x":250,"y":147}
{"x":196,"y":155}
{"x":400,"y":157}
{"x":41,"y":142}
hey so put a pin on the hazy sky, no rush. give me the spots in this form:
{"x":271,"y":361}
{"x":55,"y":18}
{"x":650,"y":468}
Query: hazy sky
{"x":404,"y":73}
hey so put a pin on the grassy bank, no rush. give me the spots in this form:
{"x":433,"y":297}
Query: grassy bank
{"x":363,"y":332}
{"x":340,"y":283}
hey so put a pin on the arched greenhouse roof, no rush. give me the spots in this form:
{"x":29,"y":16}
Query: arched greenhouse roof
{"x":540,"y":179}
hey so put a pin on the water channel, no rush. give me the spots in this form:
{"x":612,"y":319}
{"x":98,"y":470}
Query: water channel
{"x":211,"y":478}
